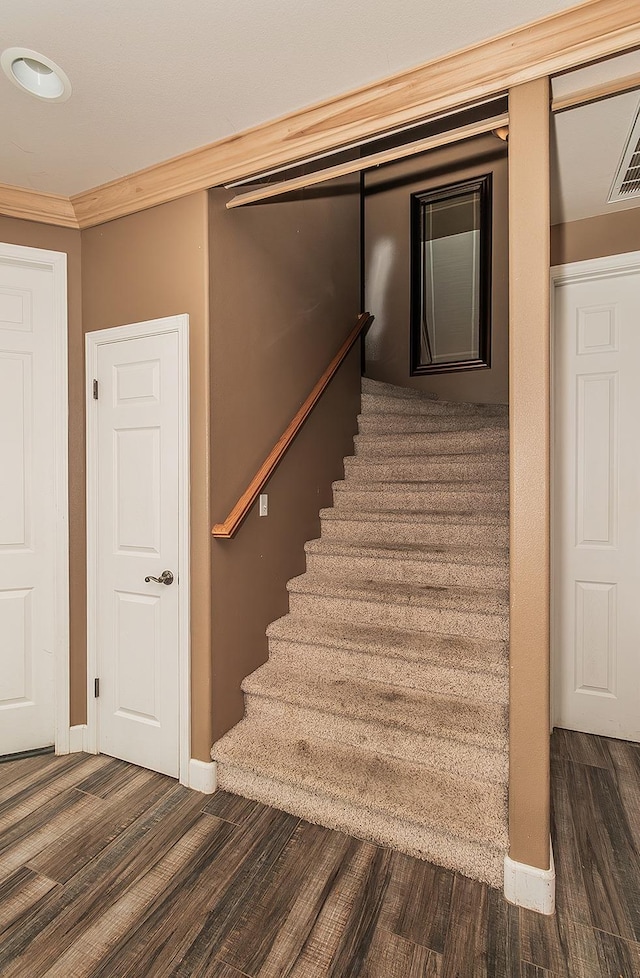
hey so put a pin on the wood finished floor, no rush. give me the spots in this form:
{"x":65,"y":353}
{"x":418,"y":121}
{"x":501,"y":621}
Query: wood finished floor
{"x":108,"y":871}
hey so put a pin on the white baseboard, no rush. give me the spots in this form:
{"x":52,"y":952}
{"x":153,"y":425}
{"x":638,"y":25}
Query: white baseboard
{"x":203,"y":776}
{"x":76,"y":738}
{"x":530,"y":887}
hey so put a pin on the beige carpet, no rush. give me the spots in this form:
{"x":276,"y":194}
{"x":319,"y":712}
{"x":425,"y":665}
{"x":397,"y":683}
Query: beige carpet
{"x":382,"y":710}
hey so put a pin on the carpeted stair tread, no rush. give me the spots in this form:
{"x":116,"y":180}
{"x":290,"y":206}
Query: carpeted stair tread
{"x":387,"y":704}
{"x":388,"y":404}
{"x":364,"y":780}
{"x":417,"y":516}
{"x":415,"y":526}
{"x":454,"y":610}
{"x":479,"y":860}
{"x":380,"y":387}
{"x":451,"y":651}
{"x":446,"y":565}
{"x":426,"y":444}
{"x":484,"y":487}
{"x":424,"y":496}
{"x":412,"y":551}
{"x":445,"y":678}
{"x":425,"y":423}
{"x":494,"y":601}
{"x":443,"y":467}
{"x":480,"y":758}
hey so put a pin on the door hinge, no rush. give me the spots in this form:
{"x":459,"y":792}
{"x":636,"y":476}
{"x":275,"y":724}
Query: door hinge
{"x":96,"y":687}
{"x":95,"y":390}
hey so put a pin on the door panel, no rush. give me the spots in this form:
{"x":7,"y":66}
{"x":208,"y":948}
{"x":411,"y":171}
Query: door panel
{"x":27,"y":506}
{"x":596,"y":493}
{"x":137,"y":537}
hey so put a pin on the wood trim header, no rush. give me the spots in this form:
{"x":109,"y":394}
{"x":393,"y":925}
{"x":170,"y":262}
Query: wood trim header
{"x":568,"y":39}
{"x":376,"y":159}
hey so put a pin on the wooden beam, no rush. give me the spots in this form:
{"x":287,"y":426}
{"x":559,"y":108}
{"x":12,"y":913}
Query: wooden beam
{"x":529,"y":779}
{"x":616,"y":86}
{"x":376,"y":159}
{"x":31,"y":205}
{"x":562,"y":41}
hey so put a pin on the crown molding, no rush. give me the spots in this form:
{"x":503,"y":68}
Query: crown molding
{"x":32,"y":205}
{"x":565,"y":40}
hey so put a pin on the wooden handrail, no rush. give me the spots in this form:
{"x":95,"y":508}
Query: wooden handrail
{"x":227,"y":529}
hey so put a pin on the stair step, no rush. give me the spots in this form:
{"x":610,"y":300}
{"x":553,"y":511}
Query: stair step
{"x":397,"y":527}
{"x":307,"y":719}
{"x":437,"y":468}
{"x":413,"y":563}
{"x":446,"y":680}
{"x":474,"y":442}
{"x":385,"y":423}
{"x":487,"y":600}
{"x":401,"y":646}
{"x":458,"y":823}
{"x":380,"y":387}
{"x":388,"y":404}
{"x":442,"y":497}
{"x":461,"y":611}
{"x":443,"y":732}
{"x":382,"y":710}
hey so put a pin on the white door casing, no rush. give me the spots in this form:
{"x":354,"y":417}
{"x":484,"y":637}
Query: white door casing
{"x":34,"y":552}
{"x":138,"y":527}
{"x":596,"y":490}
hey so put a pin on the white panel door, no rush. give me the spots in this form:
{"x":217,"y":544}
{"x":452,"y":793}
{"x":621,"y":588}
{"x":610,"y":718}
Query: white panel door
{"x":596,"y":568}
{"x":137,"y":505}
{"x":27,"y":505}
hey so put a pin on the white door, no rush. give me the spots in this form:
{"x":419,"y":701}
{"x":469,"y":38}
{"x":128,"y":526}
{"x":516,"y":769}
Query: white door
{"x":32,"y":333}
{"x":596,"y":571}
{"x":137,"y":502}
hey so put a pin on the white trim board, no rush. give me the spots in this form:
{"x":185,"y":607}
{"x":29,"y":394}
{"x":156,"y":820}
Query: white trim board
{"x":530,"y":887}
{"x":77,"y":735}
{"x":203,"y":776}
{"x":56,"y":261}
{"x":180,"y":325}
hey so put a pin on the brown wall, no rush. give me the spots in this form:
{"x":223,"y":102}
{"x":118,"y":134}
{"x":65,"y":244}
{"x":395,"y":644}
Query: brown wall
{"x":284,"y":294}
{"x":387,"y":266}
{"x":32,"y":235}
{"x":595,"y":237}
{"x":147,"y":266}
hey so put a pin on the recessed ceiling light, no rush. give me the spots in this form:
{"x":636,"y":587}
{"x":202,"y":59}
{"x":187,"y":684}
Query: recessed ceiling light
{"x":35,"y":74}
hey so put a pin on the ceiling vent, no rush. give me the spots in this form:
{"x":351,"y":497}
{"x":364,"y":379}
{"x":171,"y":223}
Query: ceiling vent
{"x":627,"y":180}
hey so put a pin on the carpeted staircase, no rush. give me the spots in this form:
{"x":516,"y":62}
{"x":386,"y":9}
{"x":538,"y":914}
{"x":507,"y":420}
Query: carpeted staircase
{"x":382,"y":710}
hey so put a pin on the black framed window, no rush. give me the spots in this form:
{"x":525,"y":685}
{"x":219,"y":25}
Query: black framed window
{"x":451,"y":277}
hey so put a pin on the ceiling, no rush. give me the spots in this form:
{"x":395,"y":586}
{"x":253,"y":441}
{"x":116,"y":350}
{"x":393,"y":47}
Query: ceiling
{"x":587,"y":142}
{"x":154,"y":79}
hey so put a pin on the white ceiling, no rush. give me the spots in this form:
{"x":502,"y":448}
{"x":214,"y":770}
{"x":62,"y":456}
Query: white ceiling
{"x":155,"y":78}
{"x":587,"y":142}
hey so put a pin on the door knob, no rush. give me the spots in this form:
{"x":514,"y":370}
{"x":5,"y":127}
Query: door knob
{"x":165,"y":578}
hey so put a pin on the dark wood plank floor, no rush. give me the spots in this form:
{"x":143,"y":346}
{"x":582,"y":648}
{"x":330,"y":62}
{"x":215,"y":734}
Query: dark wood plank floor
{"x":109,"y":871}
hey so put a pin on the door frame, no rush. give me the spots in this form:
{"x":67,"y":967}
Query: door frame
{"x":578,"y":271}
{"x":56,"y":261}
{"x":93,"y":341}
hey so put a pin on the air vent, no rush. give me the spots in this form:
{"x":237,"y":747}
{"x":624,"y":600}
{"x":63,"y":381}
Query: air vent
{"x":627,"y":179}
